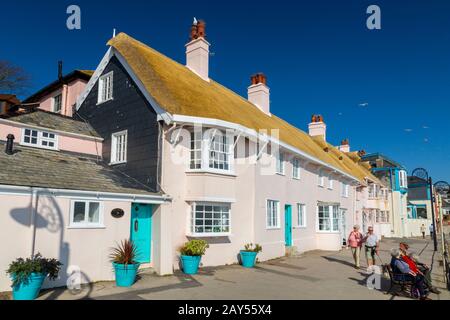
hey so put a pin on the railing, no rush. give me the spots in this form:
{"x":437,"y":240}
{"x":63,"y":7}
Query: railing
{"x":446,"y":262}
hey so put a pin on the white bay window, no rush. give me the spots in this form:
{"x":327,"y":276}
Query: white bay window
{"x":211,"y":150}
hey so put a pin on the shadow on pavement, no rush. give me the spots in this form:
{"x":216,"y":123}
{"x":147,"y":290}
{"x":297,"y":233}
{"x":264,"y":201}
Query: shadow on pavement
{"x":185,"y":282}
{"x":331,"y":259}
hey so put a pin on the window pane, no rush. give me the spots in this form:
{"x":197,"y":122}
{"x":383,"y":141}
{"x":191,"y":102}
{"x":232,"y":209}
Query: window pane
{"x":211,"y":219}
{"x":219,"y":149}
{"x":94,"y":212}
{"x":79,"y":212}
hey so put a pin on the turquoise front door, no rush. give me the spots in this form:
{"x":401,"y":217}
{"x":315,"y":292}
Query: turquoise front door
{"x":141,"y":231}
{"x":288,"y":225}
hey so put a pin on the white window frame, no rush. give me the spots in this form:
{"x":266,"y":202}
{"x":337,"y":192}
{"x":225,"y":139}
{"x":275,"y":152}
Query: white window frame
{"x":321,"y":179}
{"x":304,"y":225}
{"x":330,"y":183}
{"x":280,"y":163}
{"x":330,"y":218}
{"x":105,"y":79}
{"x":196,"y":150}
{"x":54,"y":102}
{"x":192,"y":219}
{"x":345,"y":190}
{"x":276,"y":205}
{"x":40,"y":139}
{"x":114,"y":139}
{"x":296,"y":169}
{"x":206,"y":142}
{"x":85,"y":224}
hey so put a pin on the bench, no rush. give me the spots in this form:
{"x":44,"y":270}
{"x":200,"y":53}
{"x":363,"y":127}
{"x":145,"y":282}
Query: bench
{"x":405,"y":286}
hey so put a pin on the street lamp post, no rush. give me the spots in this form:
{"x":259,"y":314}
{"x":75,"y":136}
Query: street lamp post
{"x":433,"y":200}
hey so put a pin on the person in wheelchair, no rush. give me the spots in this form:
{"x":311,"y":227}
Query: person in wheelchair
{"x":402,"y":272}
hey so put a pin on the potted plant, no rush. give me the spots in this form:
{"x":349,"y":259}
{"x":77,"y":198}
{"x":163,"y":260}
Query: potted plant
{"x":191,"y":254}
{"x":125,"y":266}
{"x":248,"y":255}
{"x":29,"y":274}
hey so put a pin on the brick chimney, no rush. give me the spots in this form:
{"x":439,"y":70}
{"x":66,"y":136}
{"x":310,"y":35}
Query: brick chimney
{"x":259,"y":92}
{"x":317,"y":127}
{"x":197,"y":50}
{"x":345,"y":146}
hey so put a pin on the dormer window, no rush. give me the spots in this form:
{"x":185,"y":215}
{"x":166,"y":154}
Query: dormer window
{"x":105,"y":88}
{"x":39,"y":139}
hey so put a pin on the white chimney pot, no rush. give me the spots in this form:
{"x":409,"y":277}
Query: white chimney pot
{"x":197,"y":57}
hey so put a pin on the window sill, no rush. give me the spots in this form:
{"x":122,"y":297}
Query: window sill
{"x":294,"y":178}
{"x":273,"y":228}
{"x":213,"y":172}
{"x":320,"y":186}
{"x":103,"y":102}
{"x":117,"y":163}
{"x":280,"y":174}
{"x":37,"y":146}
{"x":300,"y":227}
{"x":209,"y":235}
{"x":328,"y":232}
{"x":86,"y":226}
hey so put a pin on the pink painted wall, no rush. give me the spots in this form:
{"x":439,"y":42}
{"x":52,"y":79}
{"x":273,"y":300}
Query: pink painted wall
{"x":70,"y":94}
{"x":54,"y":238}
{"x":66,"y":142}
{"x":249,"y":189}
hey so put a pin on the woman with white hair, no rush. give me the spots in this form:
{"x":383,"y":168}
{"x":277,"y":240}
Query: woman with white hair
{"x":355,"y":241}
{"x":402,"y":272}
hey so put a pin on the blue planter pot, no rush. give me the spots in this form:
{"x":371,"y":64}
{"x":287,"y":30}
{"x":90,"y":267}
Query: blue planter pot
{"x":125,"y":274}
{"x":28,"y":290}
{"x":190,"y":264}
{"x":248,"y":259}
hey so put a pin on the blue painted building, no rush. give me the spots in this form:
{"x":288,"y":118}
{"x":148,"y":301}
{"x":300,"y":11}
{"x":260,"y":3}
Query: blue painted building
{"x":393,"y":175}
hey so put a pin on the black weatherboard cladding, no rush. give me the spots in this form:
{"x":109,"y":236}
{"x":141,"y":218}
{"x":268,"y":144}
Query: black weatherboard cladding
{"x":129,"y":110}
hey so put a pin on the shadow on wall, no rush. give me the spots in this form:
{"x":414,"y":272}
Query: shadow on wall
{"x":48,"y":216}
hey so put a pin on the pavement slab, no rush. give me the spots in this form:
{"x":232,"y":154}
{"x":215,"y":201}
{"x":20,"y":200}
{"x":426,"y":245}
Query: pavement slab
{"x":312,"y":275}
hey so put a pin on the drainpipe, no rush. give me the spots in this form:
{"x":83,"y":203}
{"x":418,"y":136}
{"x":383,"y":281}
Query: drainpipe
{"x":66,"y":98}
{"x":33,"y":210}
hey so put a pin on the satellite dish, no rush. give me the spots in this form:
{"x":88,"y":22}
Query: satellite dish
{"x":420,"y":173}
{"x":442,"y":187}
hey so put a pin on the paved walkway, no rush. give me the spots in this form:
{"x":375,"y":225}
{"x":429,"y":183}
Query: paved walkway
{"x":314,"y":275}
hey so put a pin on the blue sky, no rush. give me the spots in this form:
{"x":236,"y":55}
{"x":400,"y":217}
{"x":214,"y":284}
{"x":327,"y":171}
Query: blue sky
{"x":318,"y":55}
